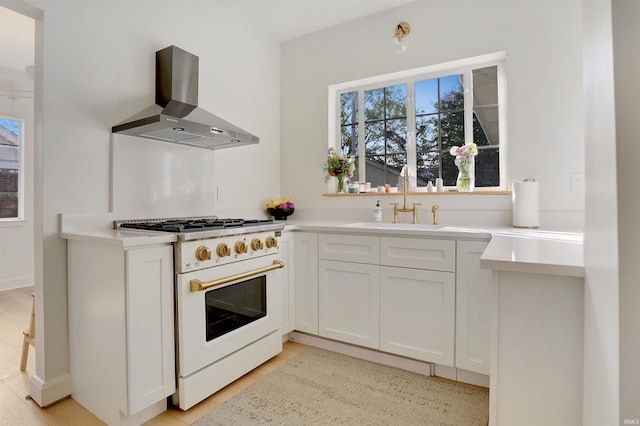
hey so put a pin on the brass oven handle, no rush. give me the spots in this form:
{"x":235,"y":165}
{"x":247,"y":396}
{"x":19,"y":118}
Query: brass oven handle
{"x":197,"y":285}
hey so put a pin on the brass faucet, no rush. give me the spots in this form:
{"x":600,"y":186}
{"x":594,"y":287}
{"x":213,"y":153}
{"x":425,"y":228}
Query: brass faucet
{"x":404,"y":208}
{"x":434,"y":210}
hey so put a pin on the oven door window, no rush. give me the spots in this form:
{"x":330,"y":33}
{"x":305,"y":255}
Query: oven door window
{"x":236,"y":305}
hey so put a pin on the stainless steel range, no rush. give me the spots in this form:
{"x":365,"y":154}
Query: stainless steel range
{"x":228,"y":299}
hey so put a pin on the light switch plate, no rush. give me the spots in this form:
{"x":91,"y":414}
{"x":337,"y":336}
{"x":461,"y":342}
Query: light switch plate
{"x":221,"y":194}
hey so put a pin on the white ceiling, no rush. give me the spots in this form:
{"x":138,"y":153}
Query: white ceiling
{"x":288,"y":19}
{"x":280,"y":20}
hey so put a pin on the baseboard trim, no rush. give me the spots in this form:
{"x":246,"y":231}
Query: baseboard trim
{"x":384,"y":358}
{"x":145,"y":415}
{"x":49,"y":392}
{"x":471,"y":377}
{"x":18,"y":282}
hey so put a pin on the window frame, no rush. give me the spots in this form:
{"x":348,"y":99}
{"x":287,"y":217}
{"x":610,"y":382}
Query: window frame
{"x":410,"y":77}
{"x":21,"y":142}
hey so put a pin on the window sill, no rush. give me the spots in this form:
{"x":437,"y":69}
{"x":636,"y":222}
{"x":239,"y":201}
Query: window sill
{"x":385,"y":194}
{"x":16,"y":223}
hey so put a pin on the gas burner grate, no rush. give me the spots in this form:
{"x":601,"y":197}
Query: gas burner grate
{"x":181,"y":225}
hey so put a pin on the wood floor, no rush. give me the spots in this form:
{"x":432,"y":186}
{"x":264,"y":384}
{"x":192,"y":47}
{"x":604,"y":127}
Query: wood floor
{"x":16,"y":409}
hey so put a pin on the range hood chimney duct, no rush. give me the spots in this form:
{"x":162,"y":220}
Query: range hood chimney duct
{"x":176,"y":116}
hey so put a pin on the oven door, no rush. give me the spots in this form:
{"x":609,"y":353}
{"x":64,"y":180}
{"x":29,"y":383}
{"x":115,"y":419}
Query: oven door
{"x":224,"y":308}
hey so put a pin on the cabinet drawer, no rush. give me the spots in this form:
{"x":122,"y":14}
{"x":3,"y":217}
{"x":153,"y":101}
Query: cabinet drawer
{"x":437,"y":255}
{"x":349,"y":248}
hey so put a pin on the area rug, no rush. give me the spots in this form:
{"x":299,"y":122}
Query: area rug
{"x":319,"y":387}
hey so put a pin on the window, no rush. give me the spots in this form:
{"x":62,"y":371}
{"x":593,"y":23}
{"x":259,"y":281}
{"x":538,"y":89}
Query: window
{"x":415,"y":117}
{"x":10,"y":169}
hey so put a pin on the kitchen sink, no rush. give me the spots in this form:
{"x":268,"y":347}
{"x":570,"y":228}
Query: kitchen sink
{"x":383,"y":225}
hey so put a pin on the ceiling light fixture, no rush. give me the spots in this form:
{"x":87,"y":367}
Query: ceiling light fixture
{"x":398,"y":39}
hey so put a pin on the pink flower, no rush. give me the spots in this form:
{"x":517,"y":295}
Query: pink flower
{"x":464,"y":153}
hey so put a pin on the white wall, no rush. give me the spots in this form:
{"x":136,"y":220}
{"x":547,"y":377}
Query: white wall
{"x":601,"y":365}
{"x":612,"y":34}
{"x":543,"y":45}
{"x":626,"y":39}
{"x":97,"y":69}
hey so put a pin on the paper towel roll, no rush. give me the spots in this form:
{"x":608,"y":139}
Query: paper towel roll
{"x":526,"y":204}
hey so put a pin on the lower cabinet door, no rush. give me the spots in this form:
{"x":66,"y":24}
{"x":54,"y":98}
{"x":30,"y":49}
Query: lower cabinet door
{"x":417,"y":314}
{"x":150,"y":331}
{"x":288,"y":299}
{"x":349,"y":302}
{"x":305,"y":277}
{"x":473,"y":308}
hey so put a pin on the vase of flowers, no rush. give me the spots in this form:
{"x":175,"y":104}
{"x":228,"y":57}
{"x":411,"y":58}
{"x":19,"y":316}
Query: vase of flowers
{"x":339,"y":166}
{"x":465,"y":157}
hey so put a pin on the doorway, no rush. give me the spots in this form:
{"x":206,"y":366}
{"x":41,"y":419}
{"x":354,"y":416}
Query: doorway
{"x":17,"y":143}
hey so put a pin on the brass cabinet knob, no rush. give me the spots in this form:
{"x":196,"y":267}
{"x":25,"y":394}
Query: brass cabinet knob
{"x":203,"y":253}
{"x":256,"y":244}
{"x":240,"y":247}
{"x":271,"y":242}
{"x":223,"y":250}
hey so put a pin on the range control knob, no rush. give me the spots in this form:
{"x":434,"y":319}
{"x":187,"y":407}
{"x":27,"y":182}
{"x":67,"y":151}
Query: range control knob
{"x":256,"y":244}
{"x":271,"y":242}
{"x":203,"y":253}
{"x":223,"y":250}
{"x":240,"y":247}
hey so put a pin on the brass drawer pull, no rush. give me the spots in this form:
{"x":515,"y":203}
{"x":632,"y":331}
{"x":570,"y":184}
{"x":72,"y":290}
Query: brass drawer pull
{"x":197,"y":285}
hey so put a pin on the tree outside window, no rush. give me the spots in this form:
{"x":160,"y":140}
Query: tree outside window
{"x":442,"y":111}
{"x":439,"y":126}
{"x":385,"y":128}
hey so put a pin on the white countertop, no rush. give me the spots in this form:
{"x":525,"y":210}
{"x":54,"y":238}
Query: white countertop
{"x":537,"y":252}
{"x":540,"y":251}
{"x":125,"y":239}
{"x":389,"y":229}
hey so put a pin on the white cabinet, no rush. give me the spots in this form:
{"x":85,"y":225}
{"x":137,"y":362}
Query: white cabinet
{"x":150,"y":344}
{"x":288,"y":280}
{"x":349,"y":288}
{"x":417,"y":298}
{"x":473,"y":308}
{"x":419,"y":253}
{"x":305,"y":275}
{"x":349,"y":302}
{"x":538,"y":348}
{"x":422,"y":298}
{"x":405,"y":307}
{"x":349,"y":248}
{"x":121,"y":329}
{"x":417,"y":313}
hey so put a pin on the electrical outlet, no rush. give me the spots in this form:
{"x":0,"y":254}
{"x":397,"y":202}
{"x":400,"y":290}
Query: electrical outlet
{"x":577,"y":182}
{"x":221,"y":194}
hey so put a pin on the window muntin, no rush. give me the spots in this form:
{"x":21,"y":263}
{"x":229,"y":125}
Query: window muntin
{"x":385,"y":127}
{"x":11,"y":200}
{"x":486,"y":125}
{"x":458,"y":103}
{"x":349,"y":128}
{"x":439,"y":104}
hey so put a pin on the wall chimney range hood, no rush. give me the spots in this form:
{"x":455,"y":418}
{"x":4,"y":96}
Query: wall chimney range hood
{"x":176,"y":117}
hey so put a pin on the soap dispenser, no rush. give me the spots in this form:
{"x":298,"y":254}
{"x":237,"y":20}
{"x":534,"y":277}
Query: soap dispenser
{"x":377,"y":213}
